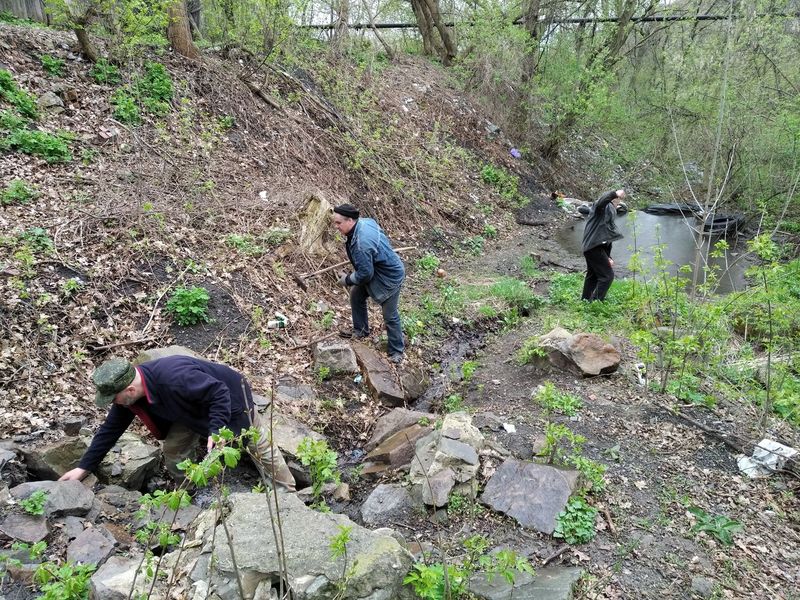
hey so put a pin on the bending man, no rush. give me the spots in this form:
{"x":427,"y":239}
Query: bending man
{"x":378,"y":274}
{"x":600,"y":232}
{"x":181,"y":400}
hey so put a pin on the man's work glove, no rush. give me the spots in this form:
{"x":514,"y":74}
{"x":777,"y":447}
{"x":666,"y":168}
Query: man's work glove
{"x":343,"y":280}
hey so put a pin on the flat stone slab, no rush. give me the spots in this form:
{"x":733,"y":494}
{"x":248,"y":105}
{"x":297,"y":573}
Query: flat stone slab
{"x":64,"y":498}
{"x":380,"y":376}
{"x":130,"y":462}
{"x":398,"y":450}
{"x":393,"y":421}
{"x":53,"y":460}
{"x":25,"y":528}
{"x":113,"y":581}
{"x":550,"y":583}
{"x":531,"y":493}
{"x":385,"y":503}
{"x":336,"y":356}
{"x":92,"y":547}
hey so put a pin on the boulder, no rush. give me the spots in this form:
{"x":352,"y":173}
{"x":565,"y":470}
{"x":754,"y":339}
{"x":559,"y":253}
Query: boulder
{"x":53,"y":460}
{"x":531,"y":493}
{"x":114,"y":580}
{"x":379,"y":563}
{"x":447,"y":457}
{"x":395,"y":420}
{"x":414,"y":382}
{"x":386,"y":503}
{"x":287,"y":433}
{"x":380,"y":376}
{"x":25,"y":528}
{"x":584,"y":353}
{"x":50,"y":102}
{"x":93,"y":546}
{"x":336,"y":356}
{"x":64,"y":498}
{"x":129,"y":463}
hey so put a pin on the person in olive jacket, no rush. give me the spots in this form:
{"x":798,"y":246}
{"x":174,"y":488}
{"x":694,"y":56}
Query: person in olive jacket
{"x":180,"y":399}
{"x":378,"y":274}
{"x":600,"y":232}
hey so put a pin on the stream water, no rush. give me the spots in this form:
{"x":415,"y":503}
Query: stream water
{"x":644,"y":232}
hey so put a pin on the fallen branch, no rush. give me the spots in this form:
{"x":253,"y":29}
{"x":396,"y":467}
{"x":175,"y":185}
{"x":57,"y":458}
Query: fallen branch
{"x":555,"y":554}
{"x":120,"y":344}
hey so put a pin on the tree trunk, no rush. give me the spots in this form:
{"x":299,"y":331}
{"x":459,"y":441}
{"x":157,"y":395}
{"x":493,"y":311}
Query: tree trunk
{"x":343,"y":14}
{"x":449,"y":53}
{"x":87,"y":48}
{"x":428,"y":43}
{"x":386,"y":46}
{"x":178,"y":32}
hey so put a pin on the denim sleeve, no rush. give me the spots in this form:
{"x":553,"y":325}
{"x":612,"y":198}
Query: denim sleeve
{"x":364,"y":260}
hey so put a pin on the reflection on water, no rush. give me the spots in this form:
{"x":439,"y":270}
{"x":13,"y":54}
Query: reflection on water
{"x":675,"y":234}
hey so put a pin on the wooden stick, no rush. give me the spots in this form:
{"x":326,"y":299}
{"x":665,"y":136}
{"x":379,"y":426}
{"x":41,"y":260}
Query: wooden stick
{"x":555,"y":554}
{"x":343,"y":263}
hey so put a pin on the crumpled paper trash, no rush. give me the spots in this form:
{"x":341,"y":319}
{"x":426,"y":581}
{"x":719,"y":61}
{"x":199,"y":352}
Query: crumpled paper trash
{"x":768,"y":457}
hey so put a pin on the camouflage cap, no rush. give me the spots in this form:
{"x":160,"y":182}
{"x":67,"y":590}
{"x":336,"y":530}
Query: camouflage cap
{"x":110,"y":379}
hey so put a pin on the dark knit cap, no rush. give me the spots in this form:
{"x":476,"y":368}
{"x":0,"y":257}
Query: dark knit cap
{"x":347,"y":210}
{"x":110,"y":379}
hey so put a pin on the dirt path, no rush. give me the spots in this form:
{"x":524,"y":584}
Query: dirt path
{"x":658,"y":467}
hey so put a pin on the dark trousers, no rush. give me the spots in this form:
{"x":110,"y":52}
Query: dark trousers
{"x":599,"y":273}
{"x":391,"y":317}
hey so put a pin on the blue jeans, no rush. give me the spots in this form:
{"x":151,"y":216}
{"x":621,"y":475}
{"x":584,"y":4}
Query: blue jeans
{"x":391,"y":317}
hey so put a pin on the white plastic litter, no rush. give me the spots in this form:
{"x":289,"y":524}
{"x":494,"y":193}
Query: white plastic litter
{"x":768,"y":457}
{"x":509,"y":427}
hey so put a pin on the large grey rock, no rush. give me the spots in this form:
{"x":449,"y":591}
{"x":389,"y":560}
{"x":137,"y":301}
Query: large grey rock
{"x":53,"y":460}
{"x":63,"y":497}
{"x":531,"y":493}
{"x":552,"y":583}
{"x":156,"y":353}
{"x":50,"y":101}
{"x":93,"y":546}
{"x":129,"y":463}
{"x":414,"y":382}
{"x":380,"y":376}
{"x":288,"y":432}
{"x":114,"y":580}
{"x":395,"y":420}
{"x":336,"y":356}
{"x":118,"y":496}
{"x":25,"y":528}
{"x":436,"y":488}
{"x":379,"y":562}
{"x":387,"y":502}
{"x":397,"y":450}
{"x":584,"y":353}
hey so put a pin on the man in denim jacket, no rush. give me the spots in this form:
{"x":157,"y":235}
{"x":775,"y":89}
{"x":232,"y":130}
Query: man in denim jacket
{"x":378,"y":274}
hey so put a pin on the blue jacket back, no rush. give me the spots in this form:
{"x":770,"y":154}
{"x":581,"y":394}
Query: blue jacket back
{"x":377,"y":266}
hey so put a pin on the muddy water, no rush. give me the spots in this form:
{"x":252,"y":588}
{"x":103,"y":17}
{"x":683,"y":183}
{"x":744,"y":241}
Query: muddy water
{"x":643,"y":232}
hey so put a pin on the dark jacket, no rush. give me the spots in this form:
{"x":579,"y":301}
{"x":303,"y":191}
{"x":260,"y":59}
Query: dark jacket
{"x":199,"y":394}
{"x":600,"y":226}
{"x":376,"y":264}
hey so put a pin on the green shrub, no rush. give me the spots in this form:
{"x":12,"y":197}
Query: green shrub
{"x":125,"y":107}
{"x":38,"y":143}
{"x":474,"y":244}
{"x":244,"y":243}
{"x":720,"y":526}
{"x":530,"y":351}
{"x":427,"y":264}
{"x":552,"y":400}
{"x":18,"y":192}
{"x":453,"y":403}
{"x":10,"y":122}
{"x":53,"y":66}
{"x":104,"y":72}
{"x":428,"y":581}
{"x":65,"y":582}
{"x":506,"y":184}
{"x":34,"y":504}
{"x":276,"y":236}
{"x":189,"y":306}
{"x":575,"y":524}
{"x":37,"y":239}
{"x":10,"y":92}
{"x":321,"y":463}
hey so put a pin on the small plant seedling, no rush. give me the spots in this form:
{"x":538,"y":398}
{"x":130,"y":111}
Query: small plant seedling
{"x":18,"y":192}
{"x":552,"y":400}
{"x":453,"y":403}
{"x":468,"y":368}
{"x":575,"y":524}
{"x":34,"y":504}
{"x":53,"y":66}
{"x":189,"y":306}
{"x":104,"y":72}
{"x":428,"y":264}
{"x":323,"y":373}
{"x":720,"y":526}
